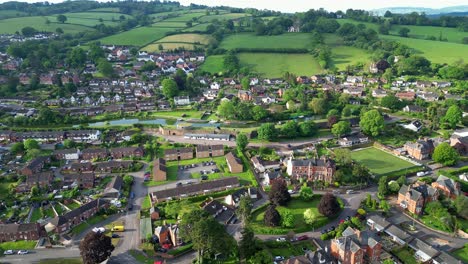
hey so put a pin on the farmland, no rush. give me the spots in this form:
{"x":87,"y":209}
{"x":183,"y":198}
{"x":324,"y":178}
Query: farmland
{"x":11,"y":14}
{"x":251,"y":41}
{"x":185,"y":17}
{"x":38,"y":22}
{"x":213,"y":64}
{"x":199,"y":27}
{"x":222,"y":17}
{"x":154,"y":47}
{"x":344,"y":55}
{"x":188,"y":38}
{"x":379,"y":161}
{"x":137,"y":36}
{"x":275,"y":65}
{"x":169,"y":24}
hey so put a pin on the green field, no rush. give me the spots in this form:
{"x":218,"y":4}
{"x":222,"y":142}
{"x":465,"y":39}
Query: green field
{"x":379,"y":161}
{"x":275,"y":65}
{"x":18,"y":245}
{"x":345,"y":55}
{"x":91,"y":19}
{"x":199,"y":27}
{"x":136,"y":37}
{"x":222,"y":17}
{"x":435,"y":51}
{"x":154,"y":47}
{"x":16,"y":24}
{"x":185,"y":17}
{"x":105,"y":9}
{"x":284,"y":41}
{"x":165,"y":24}
{"x":213,"y":64}
{"x":187,"y":38}
{"x":11,"y":14}
{"x":462,"y":253}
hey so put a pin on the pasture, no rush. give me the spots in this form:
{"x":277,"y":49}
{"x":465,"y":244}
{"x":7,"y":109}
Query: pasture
{"x":435,"y":51}
{"x":188,"y":38}
{"x":251,"y":41}
{"x":154,"y":47}
{"x":227,"y":16}
{"x":345,"y":55}
{"x":421,"y":32}
{"x":213,"y":64}
{"x":185,"y":17}
{"x":87,"y":22}
{"x":4,"y":14}
{"x":140,"y":36}
{"x":199,"y":27}
{"x":105,"y":9}
{"x":12,"y":25}
{"x":276,"y":64}
{"x":97,"y":15}
{"x":379,"y":161}
{"x":170,"y":24}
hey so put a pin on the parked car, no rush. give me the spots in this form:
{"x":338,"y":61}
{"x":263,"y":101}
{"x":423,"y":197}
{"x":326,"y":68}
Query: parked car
{"x":304,"y":237}
{"x":279,"y":258}
{"x":8,"y":252}
{"x":22,"y":252}
{"x":178,"y":184}
{"x":349,"y":192}
{"x":281,"y":239}
{"x":115,"y":236}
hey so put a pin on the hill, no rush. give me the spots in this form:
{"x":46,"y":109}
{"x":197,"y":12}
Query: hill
{"x":428,"y":11}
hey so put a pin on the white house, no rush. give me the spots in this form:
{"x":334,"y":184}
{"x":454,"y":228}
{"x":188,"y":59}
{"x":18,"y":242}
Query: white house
{"x":253,"y":81}
{"x":233,"y":199}
{"x":268,"y":176}
{"x":268,"y":99}
{"x":181,"y":100}
{"x":214,"y":86}
{"x":415,"y":126}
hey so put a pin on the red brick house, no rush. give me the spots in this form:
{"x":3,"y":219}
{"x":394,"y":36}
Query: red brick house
{"x":202,"y":151}
{"x":460,"y":144}
{"x":421,"y":149}
{"x":234,"y":163}
{"x":82,"y":180}
{"x":322,"y":169}
{"x":14,"y":232}
{"x":356,"y":247}
{"x":244,"y":95}
{"x":42,"y":179}
{"x":159,"y":170}
{"x":414,"y":197}
{"x":409,"y":96}
{"x":35,"y":166}
{"x":171,"y":154}
{"x":447,"y":186}
{"x":81,"y":167}
{"x":118,"y":153}
{"x":94,"y":153}
{"x":111,"y":166}
{"x":217,"y":150}
{"x":185,"y":153}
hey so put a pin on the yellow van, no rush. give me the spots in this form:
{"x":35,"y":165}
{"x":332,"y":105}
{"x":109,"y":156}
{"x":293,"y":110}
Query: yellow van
{"x":118,"y":228}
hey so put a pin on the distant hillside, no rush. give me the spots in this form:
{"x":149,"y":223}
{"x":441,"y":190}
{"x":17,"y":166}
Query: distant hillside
{"x":428,"y":11}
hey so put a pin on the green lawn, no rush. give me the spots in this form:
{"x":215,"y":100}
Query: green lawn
{"x":4,"y":194}
{"x":405,"y":255}
{"x":138,"y":255}
{"x":84,"y":225}
{"x":17,"y":245}
{"x":213,"y":64}
{"x":136,"y":37}
{"x":49,"y":212}
{"x":61,"y":261}
{"x":146,"y":204}
{"x":16,"y":24}
{"x":36,"y":215}
{"x":73,"y":205}
{"x":186,"y":113}
{"x":58,"y":209}
{"x":275,"y":65}
{"x":251,"y":41}
{"x":288,"y":249}
{"x":297,"y":208}
{"x":461,"y":253}
{"x":379,"y":161}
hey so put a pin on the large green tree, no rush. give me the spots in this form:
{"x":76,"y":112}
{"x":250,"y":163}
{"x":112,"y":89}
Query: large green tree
{"x":227,"y":110}
{"x":306,"y":193}
{"x":341,"y":128}
{"x":328,"y":205}
{"x":445,"y":154}
{"x":267,"y":131}
{"x":272,"y":217}
{"x":169,"y":88}
{"x":372,"y":123}
{"x":241,"y":141}
{"x":247,"y":244}
{"x":244,"y":211}
{"x":31,"y":144}
{"x":318,"y":106}
{"x":61,"y":18}
{"x":453,"y":116}
{"x":95,"y":248}
{"x":105,"y":68}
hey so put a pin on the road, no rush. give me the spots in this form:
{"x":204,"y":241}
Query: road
{"x":40,"y":254}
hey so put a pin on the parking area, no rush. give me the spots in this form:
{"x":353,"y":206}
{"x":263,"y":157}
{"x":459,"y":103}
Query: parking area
{"x":185,"y":172}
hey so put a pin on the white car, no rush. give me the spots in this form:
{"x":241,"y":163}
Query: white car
{"x":281,"y":239}
{"x":22,"y":252}
{"x":8,"y":252}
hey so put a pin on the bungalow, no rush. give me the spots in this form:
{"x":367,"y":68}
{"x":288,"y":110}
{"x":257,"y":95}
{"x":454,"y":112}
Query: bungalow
{"x":398,"y":235}
{"x":421,"y":149}
{"x":82,"y":180}
{"x":220,"y":212}
{"x":94,"y":153}
{"x":415,"y":126}
{"x":159,"y":170}
{"x":67,"y":154}
{"x":234,"y":198}
{"x":423,"y":251}
{"x":447,"y":186}
{"x":118,"y":153}
{"x":353,"y":140}
{"x":354,"y":79}
{"x":377,"y":223}
{"x":204,"y":187}
{"x":234,"y":164}
{"x":113,"y":188}
{"x":354,"y":91}
{"x":15,"y":232}
{"x":65,"y":222}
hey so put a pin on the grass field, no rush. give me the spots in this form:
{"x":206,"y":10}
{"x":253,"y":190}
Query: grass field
{"x":16,"y":24}
{"x":435,"y":51}
{"x":169,"y":24}
{"x":136,"y":37}
{"x":185,"y":17}
{"x":345,"y":55}
{"x":222,"y":17}
{"x":249,"y":40}
{"x":154,"y":47}
{"x":91,"y":19}
{"x":4,"y":14}
{"x":199,"y":27}
{"x":87,"y":22}
{"x":213,"y":64}
{"x":297,"y":208}
{"x":379,"y":161}
{"x":275,"y":65}
{"x":105,"y":9}
{"x":462,"y":254}
{"x":188,"y":38}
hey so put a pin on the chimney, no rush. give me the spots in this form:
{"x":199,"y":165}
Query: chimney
{"x":358,"y":233}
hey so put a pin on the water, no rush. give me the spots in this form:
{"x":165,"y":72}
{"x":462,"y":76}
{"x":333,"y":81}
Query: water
{"x":158,"y":121}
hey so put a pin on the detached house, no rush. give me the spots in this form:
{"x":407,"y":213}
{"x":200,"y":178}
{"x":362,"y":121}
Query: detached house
{"x":459,"y":143}
{"x":409,"y":96}
{"x":414,"y":197}
{"x":322,"y":169}
{"x":234,"y":198}
{"x":447,"y":186}
{"x":356,"y":247}
{"x":421,"y":149}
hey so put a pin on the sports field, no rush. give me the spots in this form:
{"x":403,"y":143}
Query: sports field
{"x":379,"y":161}
{"x":136,"y":37}
{"x":284,"y":41}
{"x":38,"y":22}
{"x":275,"y":65}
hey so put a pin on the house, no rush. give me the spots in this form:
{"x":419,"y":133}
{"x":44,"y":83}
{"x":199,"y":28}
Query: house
{"x":220,"y":212}
{"x":181,"y":100}
{"x":118,"y":153}
{"x":414,"y":197}
{"x":34,"y":166}
{"x":113,"y":188}
{"x":15,"y":232}
{"x":204,"y":187}
{"x":263,"y":165}
{"x":355,"y":246}
{"x":81,"y":167}
{"x":221,"y":137}
{"x":423,"y":251}
{"x":354,"y":91}
{"x":268,"y":176}
{"x":178,"y":154}
{"x":448,"y":187}
{"x":445,"y":258}
{"x":113,"y":166}
{"x":409,"y":96}
{"x":354,"y":79}
{"x":83,"y":135}
{"x":421,"y":149}
{"x":168,"y":235}
{"x":353,"y":140}
{"x":202,"y":151}
{"x":171,"y":154}
{"x":303,"y":79}
{"x":217,"y":150}
{"x":81,"y":180}
{"x":379,"y":93}
{"x":321,"y":169}
{"x":65,"y":222}
{"x":67,"y":154}
{"x":234,"y":198}
{"x":94,"y":153}
{"x":398,"y":235}
{"x":415,"y":126}
{"x":42,"y":179}
{"x":234,"y":163}
{"x":377,"y":223}
{"x":244,"y":95}
{"x":460,"y":144}
{"x":159,"y":170}
{"x":413,"y":109}
{"x":185,"y":153}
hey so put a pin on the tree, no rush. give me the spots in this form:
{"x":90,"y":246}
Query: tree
{"x":128,"y":180}
{"x":343,"y":156}
{"x":34,"y":190}
{"x":310,"y":216}
{"x":403,"y":32}
{"x":393,"y":186}
{"x":318,"y":106}
{"x":290,"y":129}
{"x":384,"y":206}
{"x":328,"y":205}
{"x":241,"y":141}
{"x":306,"y":193}
{"x":59,"y":30}
{"x":391,"y":102}
{"x":247,"y":244}
{"x":267,"y":131}
{"x":61,"y":18}
{"x":287,"y":218}
{"x":332,"y":120}
{"x":372,"y":123}
{"x":245,"y":209}
{"x":383,"y":186}
{"x":341,"y":128}
{"x":279,"y":194}
{"x":17,"y":147}
{"x":261,"y":257}
{"x":31,"y":144}
{"x":445,"y":154}
{"x":188,"y":23}
{"x":169,"y":88}
{"x":105,"y":68}
{"x":414,"y":64}
{"x":95,"y":248}
{"x":272,"y":217}
{"x":453,"y":116}
{"x":227,"y":110}
{"x":245,"y":82}
{"x":461,"y":206}
{"x":231,"y":62}
{"x":96,"y":52}
{"x":28,"y":31}
{"x":259,"y":113}
{"x":452,"y":72}
{"x":402,"y":180}
{"x":307,"y":128}
{"x":77,"y":57}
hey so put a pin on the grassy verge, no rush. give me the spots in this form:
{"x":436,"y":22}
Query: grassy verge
{"x":287,"y":249}
{"x":17,"y":245}
{"x":140,"y":257}
{"x":146,"y":204}
{"x":180,"y":250}
{"x":61,"y":261}
{"x":462,"y":253}
{"x":84,"y":225}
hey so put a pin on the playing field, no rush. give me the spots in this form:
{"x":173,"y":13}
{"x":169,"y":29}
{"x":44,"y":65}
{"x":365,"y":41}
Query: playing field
{"x":136,"y":37}
{"x":284,"y":41}
{"x":379,"y":161}
{"x":272,"y":65}
{"x":16,"y":24}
